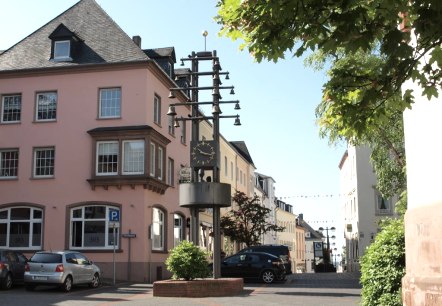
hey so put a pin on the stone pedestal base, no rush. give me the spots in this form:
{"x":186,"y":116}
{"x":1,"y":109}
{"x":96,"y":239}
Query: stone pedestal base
{"x":199,"y":287}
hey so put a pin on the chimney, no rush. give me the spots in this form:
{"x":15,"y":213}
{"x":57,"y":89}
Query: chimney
{"x":137,"y":40}
{"x":301,"y":217}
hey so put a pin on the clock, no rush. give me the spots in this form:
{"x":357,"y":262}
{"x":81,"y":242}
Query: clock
{"x":203,"y":153}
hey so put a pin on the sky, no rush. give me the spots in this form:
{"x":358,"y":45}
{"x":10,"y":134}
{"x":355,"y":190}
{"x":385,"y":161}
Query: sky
{"x":277,"y":100}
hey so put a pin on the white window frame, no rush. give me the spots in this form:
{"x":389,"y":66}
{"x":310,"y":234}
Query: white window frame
{"x":38,"y":160}
{"x":46,"y":103}
{"x":152,"y":163}
{"x":157,"y":109}
{"x":97,"y":156}
{"x":171,"y":125}
{"x":110,"y":103}
{"x":16,"y":109}
{"x":386,"y":211}
{"x":171,"y":172}
{"x":160,"y":163}
{"x":83,"y":219}
{"x":158,"y":221}
{"x":183,"y":132}
{"x":178,"y":229}
{"x":6,"y":223}
{"x":137,"y":161}
{"x":9,"y":164}
{"x":58,"y":46}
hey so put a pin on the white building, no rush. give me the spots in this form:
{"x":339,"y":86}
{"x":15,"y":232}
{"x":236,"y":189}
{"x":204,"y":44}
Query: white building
{"x":363,"y":206}
{"x":265,"y":190}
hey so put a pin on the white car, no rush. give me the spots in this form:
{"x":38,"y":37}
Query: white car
{"x":63,"y":268}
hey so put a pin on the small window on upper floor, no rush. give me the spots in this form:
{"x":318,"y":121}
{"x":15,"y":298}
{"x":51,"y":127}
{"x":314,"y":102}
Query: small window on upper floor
{"x":62,"y":50}
{"x":65,"y":44}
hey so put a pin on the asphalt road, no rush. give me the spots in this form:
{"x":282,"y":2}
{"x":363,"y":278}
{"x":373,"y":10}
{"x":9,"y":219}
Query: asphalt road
{"x":335,"y":289}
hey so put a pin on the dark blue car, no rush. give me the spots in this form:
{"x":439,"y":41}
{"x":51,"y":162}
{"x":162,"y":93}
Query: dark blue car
{"x":254,"y":265}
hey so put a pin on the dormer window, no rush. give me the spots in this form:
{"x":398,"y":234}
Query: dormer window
{"x":62,"y":50}
{"x":65,"y":44}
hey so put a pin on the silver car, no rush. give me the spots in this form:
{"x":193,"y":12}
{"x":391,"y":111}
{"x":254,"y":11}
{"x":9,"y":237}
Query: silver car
{"x":63,"y":268}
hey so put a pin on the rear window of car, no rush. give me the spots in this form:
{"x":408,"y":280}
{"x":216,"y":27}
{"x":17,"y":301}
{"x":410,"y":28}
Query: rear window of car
{"x":278,"y":251}
{"x":46,"y":258}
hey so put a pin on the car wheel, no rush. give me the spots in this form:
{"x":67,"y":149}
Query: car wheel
{"x":67,"y":285}
{"x":29,"y":287}
{"x":268,"y":276}
{"x":95,"y":281}
{"x":7,"y":282}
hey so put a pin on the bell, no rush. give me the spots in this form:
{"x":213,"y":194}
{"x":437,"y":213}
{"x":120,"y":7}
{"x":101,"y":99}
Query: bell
{"x":232,"y":92}
{"x":171,"y":111}
{"x":237,"y":106}
{"x":177,"y":124}
{"x":171,"y":95}
{"x":216,"y":109}
{"x":237,"y":122}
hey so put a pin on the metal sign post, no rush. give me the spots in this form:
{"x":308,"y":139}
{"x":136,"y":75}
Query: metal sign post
{"x":114,"y":221}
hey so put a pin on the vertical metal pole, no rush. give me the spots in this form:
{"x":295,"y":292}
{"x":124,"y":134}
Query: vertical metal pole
{"x":216,"y":175}
{"x":113,"y":255}
{"x":129,"y":264}
{"x":194,"y":211}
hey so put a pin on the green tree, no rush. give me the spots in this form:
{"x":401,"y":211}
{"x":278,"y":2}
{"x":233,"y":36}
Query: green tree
{"x":247,"y":223}
{"x":360,"y":92}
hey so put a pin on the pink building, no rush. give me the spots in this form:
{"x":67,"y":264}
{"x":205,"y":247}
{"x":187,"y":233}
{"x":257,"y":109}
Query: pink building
{"x":83,"y":134}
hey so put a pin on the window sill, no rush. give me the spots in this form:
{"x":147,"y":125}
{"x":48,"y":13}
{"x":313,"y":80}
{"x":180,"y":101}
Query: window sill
{"x":133,"y":181}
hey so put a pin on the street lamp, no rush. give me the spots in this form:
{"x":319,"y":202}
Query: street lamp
{"x":331,"y":229}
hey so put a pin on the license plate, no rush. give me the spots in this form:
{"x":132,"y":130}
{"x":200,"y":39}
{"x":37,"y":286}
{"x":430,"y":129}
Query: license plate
{"x":40,"y":278}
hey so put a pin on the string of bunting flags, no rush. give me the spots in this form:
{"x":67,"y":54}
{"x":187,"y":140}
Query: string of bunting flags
{"x":311,"y":196}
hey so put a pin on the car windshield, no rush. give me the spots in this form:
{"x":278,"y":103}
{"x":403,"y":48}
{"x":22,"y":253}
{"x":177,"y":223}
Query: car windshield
{"x":46,"y":258}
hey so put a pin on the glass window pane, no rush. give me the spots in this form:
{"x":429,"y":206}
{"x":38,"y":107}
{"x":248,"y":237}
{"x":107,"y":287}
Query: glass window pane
{"x":19,"y":234}
{"x":95,"y":212}
{"x":9,"y":163}
{"x":21,"y":213}
{"x":62,"y":49}
{"x":110,"y":103}
{"x":94,"y":233}
{"x":36,"y":234}
{"x":133,"y":157}
{"x":4,"y":214}
{"x":46,"y":106}
{"x":44,"y":162}
{"x":3,"y":234}
{"x":77,"y":233}
{"x":107,"y":159}
{"x":11,"y":108}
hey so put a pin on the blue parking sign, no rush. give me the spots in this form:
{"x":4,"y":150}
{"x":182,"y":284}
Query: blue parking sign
{"x":114,"y":215}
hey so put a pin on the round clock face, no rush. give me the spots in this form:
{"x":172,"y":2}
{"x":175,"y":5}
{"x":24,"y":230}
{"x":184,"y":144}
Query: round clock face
{"x":203,"y":153}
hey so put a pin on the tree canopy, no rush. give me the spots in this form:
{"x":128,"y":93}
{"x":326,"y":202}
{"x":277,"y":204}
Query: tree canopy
{"x":247,"y":222}
{"x":358,"y":93}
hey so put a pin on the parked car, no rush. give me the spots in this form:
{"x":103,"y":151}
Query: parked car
{"x":63,"y":268}
{"x":282,"y":251}
{"x":253,"y":265}
{"x":12,"y":268}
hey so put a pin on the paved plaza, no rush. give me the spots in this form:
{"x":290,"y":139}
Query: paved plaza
{"x":328,"y":289}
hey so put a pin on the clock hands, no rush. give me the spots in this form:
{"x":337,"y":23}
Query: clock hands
{"x":205,"y":153}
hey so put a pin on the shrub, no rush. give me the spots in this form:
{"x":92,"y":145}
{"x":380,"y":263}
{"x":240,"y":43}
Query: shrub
{"x":187,"y":261}
{"x":383,"y":266}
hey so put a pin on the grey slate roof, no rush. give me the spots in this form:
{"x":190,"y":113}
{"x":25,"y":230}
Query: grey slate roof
{"x":161,"y":52}
{"x":104,"y":41}
{"x":241,"y":147}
